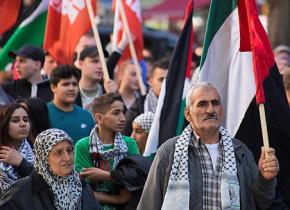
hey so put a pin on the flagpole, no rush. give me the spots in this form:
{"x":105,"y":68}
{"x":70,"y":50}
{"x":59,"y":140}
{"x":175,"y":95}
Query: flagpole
{"x":264,"y":126}
{"x":115,"y":30}
{"x":98,"y":41}
{"x":132,"y":48}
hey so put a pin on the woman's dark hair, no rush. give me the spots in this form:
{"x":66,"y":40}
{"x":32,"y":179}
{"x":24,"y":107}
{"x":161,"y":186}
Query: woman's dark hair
{"x":5,"y":115}
{"x":39,"y":115}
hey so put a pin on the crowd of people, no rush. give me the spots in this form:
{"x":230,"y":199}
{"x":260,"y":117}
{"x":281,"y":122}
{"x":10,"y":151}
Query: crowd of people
{"x":71,"y":139}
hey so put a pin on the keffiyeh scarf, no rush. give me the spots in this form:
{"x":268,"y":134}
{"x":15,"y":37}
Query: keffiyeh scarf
{"x":67,"y":190}
{"x":178,"y":185}
{"x":5,"y":182}
{"x":145,"y":120}
{"x":11,"y":174}
{"x":116,"y":154}
{"x":150,"y":102}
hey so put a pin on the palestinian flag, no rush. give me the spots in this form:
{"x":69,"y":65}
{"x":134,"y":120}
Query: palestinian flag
{"x":169,"y":116}
{"x":24,"y":12}
{"x":239,"y":61}
{"x":30,"y":31}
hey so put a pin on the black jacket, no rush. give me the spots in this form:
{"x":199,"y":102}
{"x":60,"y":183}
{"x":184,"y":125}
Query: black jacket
{"x":22,"y":89}
{"x":33,"y":193}
{"x":4,"y":98}
{"x":131,"y":172}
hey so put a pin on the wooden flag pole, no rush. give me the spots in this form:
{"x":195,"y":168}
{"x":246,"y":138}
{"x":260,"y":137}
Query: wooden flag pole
{"x":98,"y":41}
{"x":264,"y":127}
{"x":132,"y":48}
{"x":115,"y":29}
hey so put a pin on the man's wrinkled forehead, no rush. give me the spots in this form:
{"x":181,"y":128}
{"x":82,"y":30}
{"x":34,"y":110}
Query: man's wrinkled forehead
{"x":200,"y":92}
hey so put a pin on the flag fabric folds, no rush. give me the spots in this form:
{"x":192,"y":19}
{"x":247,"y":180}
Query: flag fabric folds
{"x":30,"y":31}
{"x":9,"y":10}
{"x":66,"y":22}
{"x":133,"y":13}
{"x":238,"y":59}
{"x":171,"y":101}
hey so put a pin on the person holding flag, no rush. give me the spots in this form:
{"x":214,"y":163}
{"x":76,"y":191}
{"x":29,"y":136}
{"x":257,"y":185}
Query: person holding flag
{"x":238,"y":59}
{"x":205,"y":168}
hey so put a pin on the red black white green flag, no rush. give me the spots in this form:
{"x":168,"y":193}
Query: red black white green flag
{"x":169,"y":116}
{"x":238,"y":59}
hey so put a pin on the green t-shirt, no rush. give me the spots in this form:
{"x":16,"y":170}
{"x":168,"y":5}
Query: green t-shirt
{"x":83,"y":159}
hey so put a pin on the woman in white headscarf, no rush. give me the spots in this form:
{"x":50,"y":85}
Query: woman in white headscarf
{"x":53,"y":184}
{"x":141,"y":127}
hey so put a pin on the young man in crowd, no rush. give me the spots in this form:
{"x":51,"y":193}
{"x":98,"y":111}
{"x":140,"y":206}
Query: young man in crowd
{"x":99,"y":153}
{"x":29,"y":61}
{"x":49,"y":64}
{"x":87,"y":40}
{"x":92,"y":75}
{"x":149,"y":102}
{"x":62,"y":111}
{"x":91,"y":83}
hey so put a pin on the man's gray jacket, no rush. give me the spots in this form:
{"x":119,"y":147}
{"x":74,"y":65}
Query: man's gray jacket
{"x":254,"y":189}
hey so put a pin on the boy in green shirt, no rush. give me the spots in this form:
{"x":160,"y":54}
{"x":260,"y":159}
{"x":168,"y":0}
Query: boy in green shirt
{"x":98,"y":154}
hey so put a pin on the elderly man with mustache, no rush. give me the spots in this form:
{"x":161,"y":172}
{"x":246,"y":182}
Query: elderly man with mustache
{"x":205,"y":168}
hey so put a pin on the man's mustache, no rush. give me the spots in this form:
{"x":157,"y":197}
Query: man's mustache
{"x":210,"y":116}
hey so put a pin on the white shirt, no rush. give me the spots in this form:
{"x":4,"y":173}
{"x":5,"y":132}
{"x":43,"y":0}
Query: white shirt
{"x":213,"y":151}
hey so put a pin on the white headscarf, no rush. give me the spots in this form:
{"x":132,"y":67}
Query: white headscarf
{"x":145,"y":120}
{"x":67,"y":190}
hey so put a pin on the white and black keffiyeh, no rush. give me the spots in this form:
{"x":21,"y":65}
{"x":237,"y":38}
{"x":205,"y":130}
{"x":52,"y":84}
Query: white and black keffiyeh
{"x":230,"y":188}
{"x":150,"y":102}
{"x":26,"y":152}
{"x":67,"y":190}
{"x":5,"y":182}
{"x":116,"y":154}
{"x":178,"y":185}
{"x":145,"y":120}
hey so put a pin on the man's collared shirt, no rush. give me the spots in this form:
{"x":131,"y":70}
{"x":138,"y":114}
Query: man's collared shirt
{"x":211,"y":178}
